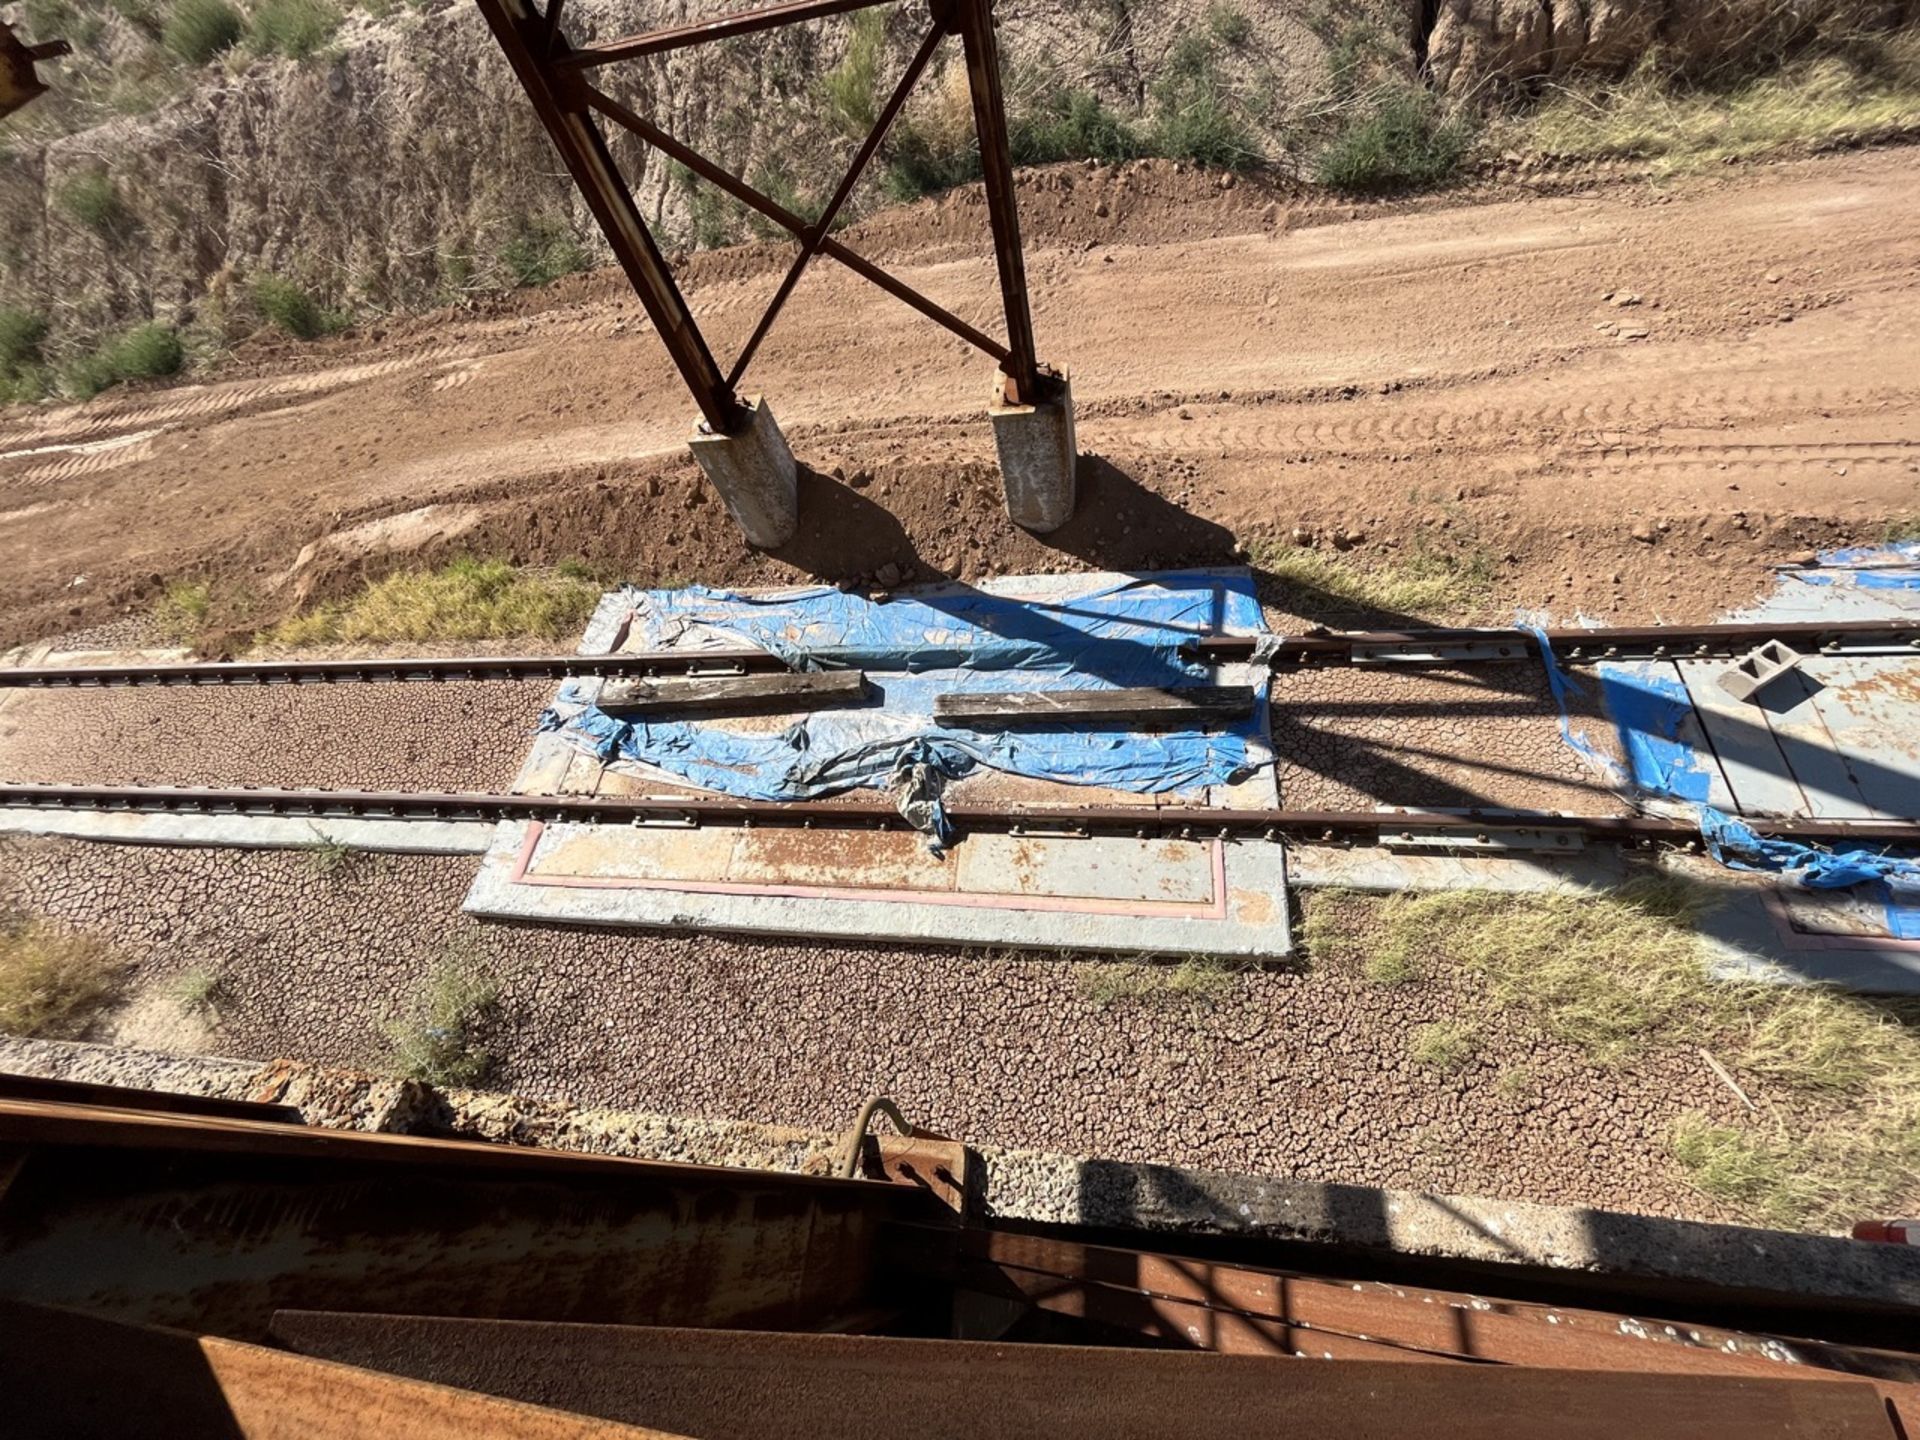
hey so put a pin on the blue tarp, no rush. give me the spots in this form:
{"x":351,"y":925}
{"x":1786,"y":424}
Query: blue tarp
{"x":916,"y":646}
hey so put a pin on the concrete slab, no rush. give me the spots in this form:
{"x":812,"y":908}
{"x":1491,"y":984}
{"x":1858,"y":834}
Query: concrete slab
{"x":754,"y":472}
{"x":1038,"y":455}
{"x":1105,"y":893}
{"x":1109,"y":893}
{"x":256,"y":832}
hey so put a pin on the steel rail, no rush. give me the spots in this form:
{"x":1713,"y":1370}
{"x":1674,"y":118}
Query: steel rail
{"x":1632,"y":642}
{"x":1319,"y":826}
{"x":384,"y":670}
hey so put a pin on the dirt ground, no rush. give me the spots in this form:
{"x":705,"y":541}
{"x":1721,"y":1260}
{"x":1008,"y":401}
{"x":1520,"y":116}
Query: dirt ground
{"x":1244,"y":366}
{"x":1300,"y":1070}
{"x":1390,"y":383}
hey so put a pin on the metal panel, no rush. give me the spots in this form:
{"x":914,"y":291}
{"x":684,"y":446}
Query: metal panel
{"x":212,"y":1224}
{"x":1753,"y":777}
{"x":67,"y":1376}
{"x":1871,"y":708}
{"x":723,"y":1385}
{"x":1822,"y":771}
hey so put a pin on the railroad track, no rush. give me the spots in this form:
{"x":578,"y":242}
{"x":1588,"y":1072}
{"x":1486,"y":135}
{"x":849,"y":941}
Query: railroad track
{"x":1314,"y":647}
{"x":1485,"y":827}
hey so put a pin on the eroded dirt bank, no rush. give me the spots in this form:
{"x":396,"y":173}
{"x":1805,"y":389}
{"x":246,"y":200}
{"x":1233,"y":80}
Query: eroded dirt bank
{"x":1623,"y":402}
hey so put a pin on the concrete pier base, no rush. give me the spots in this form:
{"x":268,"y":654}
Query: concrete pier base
{"x":1037,"y":455}
{"x":754,"y":473}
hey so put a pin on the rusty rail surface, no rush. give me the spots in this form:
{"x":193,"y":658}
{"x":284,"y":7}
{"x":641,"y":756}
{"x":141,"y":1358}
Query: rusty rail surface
{"x":1440,"y":646}
{"x":1193,"y":823}
{"x":1351,"y":647}
{"x":382,"y":670}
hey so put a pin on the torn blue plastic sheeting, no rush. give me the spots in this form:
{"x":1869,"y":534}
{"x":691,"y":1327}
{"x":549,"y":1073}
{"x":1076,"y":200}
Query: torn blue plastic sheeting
{"x":1734,"y":843}
{"x":1893,"y":566}
{"x":1562,"y":685}
{"x":1651,"y":711}
{"x":914,"y":647}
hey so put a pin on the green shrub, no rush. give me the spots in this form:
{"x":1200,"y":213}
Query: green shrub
{"x":1197,"y":116}
{"x":773,"y":179}
{"x":144,"y":352}
{"x":94,"y":200}
{"x":293,"y":28}
{"x":198,"y":30}
{"x":434,"y":1040}
{"x":920,"y":162}
{"x":1400,"y":142}
{"x":852,"y":98}
{"x":21,"y":332}
{"x":709,"y":223}
{"x":1072,"y":125}
{"x":1230,"y":27}
{"x":540,"y":251}
{"x":288,"y":306}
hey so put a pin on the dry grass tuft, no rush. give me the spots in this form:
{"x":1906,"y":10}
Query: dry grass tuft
{"x":436,"y":1040}
{"x":1620,"y":975}
{"x":1679,"y":128}
{"x":1429,"y":583}
{"x":468,"y":599}
{"x":1443,"y":1044}
{"x":53,"y":983}
{"x":1199,"y":980}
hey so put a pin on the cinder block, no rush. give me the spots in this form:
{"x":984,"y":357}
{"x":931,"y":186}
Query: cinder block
{"x":753,"y":471}
{"x":1759,"y":669}
{"x":1037,"y":454}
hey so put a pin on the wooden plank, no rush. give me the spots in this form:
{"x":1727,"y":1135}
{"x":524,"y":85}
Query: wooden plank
{"x":1757,"y":775}
{"x":800,"y":690}
{"x":992,"y":709}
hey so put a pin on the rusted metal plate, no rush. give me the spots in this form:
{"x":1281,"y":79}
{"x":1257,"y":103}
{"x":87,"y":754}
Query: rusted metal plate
{"x":1235,"y":1310}
{"x":927,"y":1162}
{"x":67,"y":1376}
{"x":734,"y":1385}
{"x":1119,"y":708}
{"x":167,"y":1233}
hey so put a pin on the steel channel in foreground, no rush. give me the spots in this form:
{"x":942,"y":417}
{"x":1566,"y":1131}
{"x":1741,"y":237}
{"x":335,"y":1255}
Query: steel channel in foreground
{"x":1630,"y":642}
{"x":1313,"y":826}
{"x":389,"y":671}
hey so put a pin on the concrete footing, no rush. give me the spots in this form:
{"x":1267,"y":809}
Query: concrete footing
{"x":1037,"y":455}
{"x":753,"y":471}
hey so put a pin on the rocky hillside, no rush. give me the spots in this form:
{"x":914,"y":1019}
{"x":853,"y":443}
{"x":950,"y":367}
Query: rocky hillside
{"x":383,"y":158}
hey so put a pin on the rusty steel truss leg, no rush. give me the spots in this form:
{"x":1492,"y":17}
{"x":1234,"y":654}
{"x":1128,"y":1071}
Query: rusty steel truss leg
{"x":751,"y":465}
{"x":526,"y":38}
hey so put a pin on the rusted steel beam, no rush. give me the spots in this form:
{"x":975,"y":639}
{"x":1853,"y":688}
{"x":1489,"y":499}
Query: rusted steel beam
{"x":136,"y":1214}
{"x":821,"y":228}
{"x":713,"y":1382}
{"x":789,"y":221}
{"x":520,"y":32}
{"x":1180,"y":822}
{"x":974,"y":20}
{"x":80,"y":1092}
{"x":724,"y":27}
{"x":70,"y":1376}
{"x":1235,"y":1310}
{"x":1444,"y":646}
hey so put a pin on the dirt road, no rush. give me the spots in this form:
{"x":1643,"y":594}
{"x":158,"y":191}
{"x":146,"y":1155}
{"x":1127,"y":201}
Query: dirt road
{"x":1243,"y":368}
